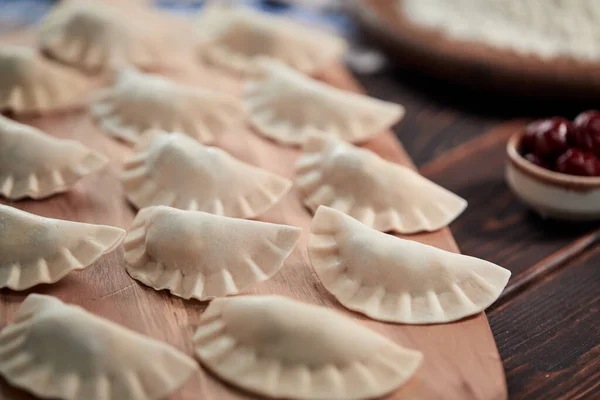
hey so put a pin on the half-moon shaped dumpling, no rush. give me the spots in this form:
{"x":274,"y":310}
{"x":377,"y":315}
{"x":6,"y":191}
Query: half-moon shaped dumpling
{"x":36,"y":165}
{"x":31,"y":84}
{"x":236,"y":38}
{"x":285,"y":106}
{"x":175,"y":170}
{"x":199,"y":255}
{"x":397,"y":280}
{"x":379,"y":193}
{"x":142,"y":101}
{"x":282,"y":348}
{"x":36,"y":250}
{"x":61,"y":351}
{"x":92,"y":36}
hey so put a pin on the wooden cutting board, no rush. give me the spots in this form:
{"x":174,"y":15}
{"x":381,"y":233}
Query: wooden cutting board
{"x":461,"y":361}
{"x":475,"y":64}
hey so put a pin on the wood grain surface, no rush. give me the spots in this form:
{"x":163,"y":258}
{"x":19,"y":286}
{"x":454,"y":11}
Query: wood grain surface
{"x":547,"y":321}
{"x":550,"y":348}
{"x":473,"y":63}
{"x":461,"y":359}
{"x":512,"y":236}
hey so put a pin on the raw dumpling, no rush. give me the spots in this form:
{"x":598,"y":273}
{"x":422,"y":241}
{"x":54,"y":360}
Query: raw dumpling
{"x":36,"y":250}
{"x":31,"y":84}
{"x":61,"y":351}
{"x":200,"y":255}
{"x":142,"y":101}
{"x":92,"y":36}
{"x":380,"y":194}
{"x":282,"y":348}
{"x":285,"y":106}
{"x":236,"y":38}
{"x":396,"y":280}
{"x":175,"y":170}
{"x":36,"y":165}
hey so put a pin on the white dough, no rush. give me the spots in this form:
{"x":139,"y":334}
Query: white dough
{"x":546,"y":28}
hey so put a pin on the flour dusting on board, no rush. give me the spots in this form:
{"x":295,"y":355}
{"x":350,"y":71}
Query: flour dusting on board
{"x":547,"y":28}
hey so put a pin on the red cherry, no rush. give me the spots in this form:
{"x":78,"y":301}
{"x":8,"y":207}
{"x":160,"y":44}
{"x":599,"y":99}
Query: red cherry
{"x":578,"y":162}
{"x":532,"y":158}
{"x":587,"y":131}
{"x":531,"y":131}
{"x":552,"y":137}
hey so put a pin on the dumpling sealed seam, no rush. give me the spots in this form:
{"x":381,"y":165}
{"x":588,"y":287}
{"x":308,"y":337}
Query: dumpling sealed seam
{"x":36,"y":165}
{"x":286,"y":106}
{"x":60,"y":351}
{"x":379,"y":193}
{"x":199,"y":255}
{"x":282,"y":348}
{"x":397,"y":280}
{"x":30,"y":84}
{"x":175,"y":170}
{"x":94,"y":37}
{"x":140,"y":101}
{"x":36,"y":250}
{"x":236,"y":38}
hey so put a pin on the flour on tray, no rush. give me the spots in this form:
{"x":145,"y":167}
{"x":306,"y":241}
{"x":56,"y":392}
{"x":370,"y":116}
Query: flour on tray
{"x":544,"y":28}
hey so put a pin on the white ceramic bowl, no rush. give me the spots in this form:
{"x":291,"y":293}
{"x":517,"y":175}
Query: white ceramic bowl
{"x":551,"y":193}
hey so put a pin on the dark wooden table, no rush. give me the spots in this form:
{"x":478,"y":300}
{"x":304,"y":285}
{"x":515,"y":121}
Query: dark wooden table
{"x":547,"y":323}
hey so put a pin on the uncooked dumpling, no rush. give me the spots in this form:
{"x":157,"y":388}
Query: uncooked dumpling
{"x":397,"y":280}
{"x":36,"y":165}
{"x":236,"y":38}
{"x":285,"y":106}
{"x":36,"y":250}
{"x":61,"y":351}
{"x":31,"y":84}
{"x":282,"y":348}
{"x":142,"y":101}
{"x":92,"y":36}
{"x":175,"y":170}
{"x":379,"y":193}
{"x":201,"y":255}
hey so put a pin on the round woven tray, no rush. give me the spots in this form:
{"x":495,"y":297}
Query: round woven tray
{"x":473,"y":63}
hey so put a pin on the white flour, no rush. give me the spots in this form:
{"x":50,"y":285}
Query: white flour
{"x":547,"y":28}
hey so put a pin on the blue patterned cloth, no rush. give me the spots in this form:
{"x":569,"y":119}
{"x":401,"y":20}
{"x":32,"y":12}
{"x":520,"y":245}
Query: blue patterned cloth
{"x":16,"y":14}
{"x":336,"y":20}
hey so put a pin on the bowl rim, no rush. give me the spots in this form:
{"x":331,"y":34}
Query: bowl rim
{"x":542,"y":174}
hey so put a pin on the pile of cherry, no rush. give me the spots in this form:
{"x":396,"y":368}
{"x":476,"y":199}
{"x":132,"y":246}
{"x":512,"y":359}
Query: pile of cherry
{"x":560,"y":145}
